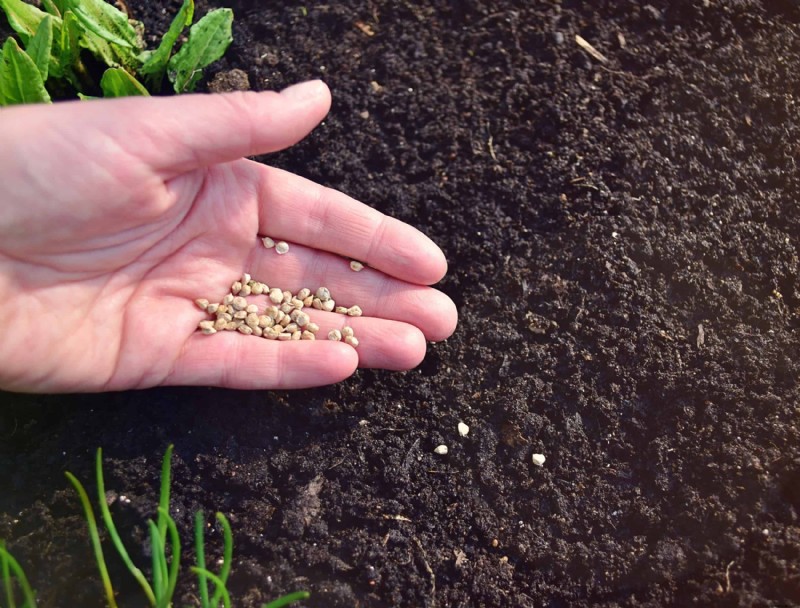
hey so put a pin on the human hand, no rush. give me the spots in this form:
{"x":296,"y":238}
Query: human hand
{"x":116,"y":214}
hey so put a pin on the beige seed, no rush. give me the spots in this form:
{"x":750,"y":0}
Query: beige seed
{"x":280,"y":316}
{"x":225,"y":316}
{"x":223,"y":308}
{"x":286,"y":308}
{"x":307,"y":335}
{"x":206,"y":324}
{"x":308,"y":301}
{"x":236,"y":287}
{"x":245,"y":329}
{"x":212,"y":308}
{"x":352,"y":341}
{"x":245,"y":290}
{"x":257,"y":288}
{"x":291,"y":328}
{"x":264,"y":321}
{"x":316,"y":303}
{"x":272,"y":311}
{"x":284,"y":337}
{"x":239,"y":303}
{"x":287,"y":297}
{"x":356,"y":266}
{"x":257,"y":331}
{"x":302,"y":319}
{"x":202,"y":303}
{"x":246,"y":278}
{"x":293,"y":314}
{"x":275,"y":295}
{"x":335,"y":335}
{"x":251,"y":308}
{"x":296,"y":335}
{"x":354,"y":311}
{"x":297,"y":303}
{"x":220,"y":324}
{"x":312,"y":327}
{"x":303,"y":293}
{"x":240,"y":314}
{"x":271,"y":334}
{"x":268,"y":242}
{"x":347,"y":331}
{"x":228,"y":299}
{"x":440,"y":449}
{"x":342,"y":310}
{"x":285,"y":321}
{"x":208,"y":331}
{"x":232,"y":325}
{"x":328,"y":305}
{"x":281,"y":247}
{"x":252,"y":319}
{"x":323,"y":293}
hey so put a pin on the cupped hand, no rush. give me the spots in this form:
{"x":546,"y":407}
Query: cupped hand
{"x":115,"y":215}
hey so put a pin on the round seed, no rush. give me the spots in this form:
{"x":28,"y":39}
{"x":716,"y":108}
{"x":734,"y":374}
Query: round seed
{"x":240,"y":314}
{"x":538,"y":459}
{"x":302,"y":319}
{"x":228,"y":299}
{"x":281,"y":247}
{"x":440,"y":449}
{"x":342,"y":310}
{"x":328,"y":305}
{"x":226,"y":316}
{"x":287,"y":308}
{"x":271,"y":334}
{"x":323,"y":293}
{"x":208,"y":331}
{"x":463,"y":429}
{"x":232,"y":325}
{"x":257,"y":331}
{"x":206,"y":324}
{"x":272,"y":311}
{"x":335,"y":335}
{"x":212,"y":308}
{"x":275,"y":295}
{"x":245,"y":329}
{"x":287,"y":296}
{"x":296,"y":335}
{"x":220,"y":324}
{"x":222,"y":308}
{"x":246,"y":278}
{"x":257,"y":288}
{"x":312,"y":327}
{"x":251,"y":308}
{"x":316,"y":303}
{"x":239,"y":303}
{"x":291,"y":328}
{"x":236,"y":287}
{"x":354,"y":311}
{"x":252,"y":319}
{"x":285,"y":321}
{"x":283,"y":337}
{"x":352,"y":341}
{"x":347,"y":331}
{"x":356,"y":266}
{"x":307,"y":335}
{"x":245,"y":290}
{"x":308,"y":300}
{"x":264,"y":321}
{"x":279,"y":316}
{"x":268,"y":242}
{"x":202,"y":303}
{"x":297,"y":303}
{"x":303,"y":293}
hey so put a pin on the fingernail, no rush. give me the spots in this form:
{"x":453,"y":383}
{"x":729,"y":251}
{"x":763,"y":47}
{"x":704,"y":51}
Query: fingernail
{"x":304,"y":90}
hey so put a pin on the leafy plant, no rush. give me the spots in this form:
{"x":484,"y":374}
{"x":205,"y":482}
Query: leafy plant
{"x":55,"y":42}
{"x":165,"y":548}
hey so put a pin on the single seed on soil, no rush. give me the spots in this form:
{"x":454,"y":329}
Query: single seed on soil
{"x":354,"y":311}
{"x":281,"y":247}
{"x":328,"y":305}
{"x":347,"y":331}
{"x":352,"y":341}
{"x":212,"y":308}
{"x":356,"y":266}
{"x":335,"y":334}
{"x":538,"y":459}
{"x":303,"y":293}
{"x":202,"y":303}
{"x":463,"y":429}
{"x":312,"y":327}
{"x":342,"y":310}
{"x":268,"y":242}
{"x":236,"y":287}
{"x":239,"y":303}
{"x":307,"y":335}
{"x":323,"y":293}
{"x":275,"y":295}
{"x":440,"y":449}
{"x":251,"y":308}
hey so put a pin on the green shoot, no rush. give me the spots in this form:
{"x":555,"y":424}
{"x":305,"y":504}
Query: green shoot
{"x":9,"y":566}
{"x":287,"y":599}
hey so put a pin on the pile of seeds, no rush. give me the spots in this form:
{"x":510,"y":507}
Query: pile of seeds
{"x":282,"y":318}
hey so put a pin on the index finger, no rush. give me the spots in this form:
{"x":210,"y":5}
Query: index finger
{"x":298,"y":210}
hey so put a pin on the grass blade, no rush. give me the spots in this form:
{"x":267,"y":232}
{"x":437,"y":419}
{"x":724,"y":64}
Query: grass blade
{"x":227,"y":558}
{"x":290,"y":598}
{"x":159,"y":563}
{"x":95,"y":537}
{"x":200,"y":554}
{"x":163,"y":501}
{"x":112,"y":530}
{"x":11,"y":564}
{"x":218,"y":582}
{"x":175,"y":564}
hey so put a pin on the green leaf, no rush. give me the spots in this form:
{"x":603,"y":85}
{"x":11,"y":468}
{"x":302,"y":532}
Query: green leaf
{"x":51,"y":8}
{"x":116,"y":82}
{"x":106,"y":21}
{"x":40,"y":46}
{"x":209,"y":38}
{"x":23,"y":18}
{"x":20,"y":80}
{"x":70,"y":41}
{"x":156,"y":64}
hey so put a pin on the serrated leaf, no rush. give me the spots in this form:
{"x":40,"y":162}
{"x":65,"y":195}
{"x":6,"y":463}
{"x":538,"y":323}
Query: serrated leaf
{"x":156,"y":63}
{"x":23,"y":18}
{"x":116,"y":82}
{"x":106,"y":21}
{"x":209,"y":38}
{"x":40,"y":46}
{"x":20,"y":80}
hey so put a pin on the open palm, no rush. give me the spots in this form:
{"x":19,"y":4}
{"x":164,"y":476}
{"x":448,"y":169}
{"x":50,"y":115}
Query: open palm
{"x":115,"y":215}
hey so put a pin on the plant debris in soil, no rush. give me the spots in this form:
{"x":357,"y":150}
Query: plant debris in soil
{"x":622,"y":228}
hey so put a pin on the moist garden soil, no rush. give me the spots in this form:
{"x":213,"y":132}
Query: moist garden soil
{"x":623,"y":236}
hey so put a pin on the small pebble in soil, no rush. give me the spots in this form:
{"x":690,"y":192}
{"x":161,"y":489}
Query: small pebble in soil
{"x":538,"y":459}
{"x":463,"y":429}
{"x":440,"y":449}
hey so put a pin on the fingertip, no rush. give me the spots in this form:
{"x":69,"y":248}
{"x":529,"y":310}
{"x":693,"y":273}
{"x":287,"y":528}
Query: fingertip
{"x":410,"y":346}
{"x":447,"y":320}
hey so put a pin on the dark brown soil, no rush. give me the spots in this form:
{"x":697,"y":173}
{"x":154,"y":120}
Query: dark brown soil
{"x":596,"y":217}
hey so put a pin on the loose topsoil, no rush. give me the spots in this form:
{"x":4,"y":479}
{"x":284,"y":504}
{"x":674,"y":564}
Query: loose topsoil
{"x":623,"y":236}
